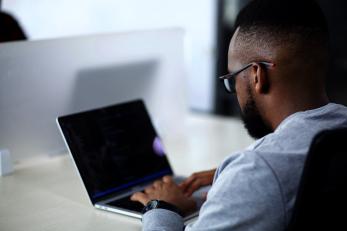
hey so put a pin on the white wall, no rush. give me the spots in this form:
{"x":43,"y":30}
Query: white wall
{"x":44,"y":19}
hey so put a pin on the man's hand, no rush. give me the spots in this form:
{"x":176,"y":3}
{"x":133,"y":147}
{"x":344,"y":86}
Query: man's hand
{"x":168,"y":191}
{"x":196,"y":181}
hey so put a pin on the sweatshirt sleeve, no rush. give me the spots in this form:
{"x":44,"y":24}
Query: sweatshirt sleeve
{"x":162,"y":219}
{"x":245,"y":195}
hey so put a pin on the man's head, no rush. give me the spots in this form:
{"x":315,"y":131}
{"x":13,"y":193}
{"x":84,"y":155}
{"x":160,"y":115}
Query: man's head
{"x":291,"y":35}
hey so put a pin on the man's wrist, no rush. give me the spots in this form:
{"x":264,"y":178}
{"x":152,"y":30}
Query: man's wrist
{"x":158,"y":204}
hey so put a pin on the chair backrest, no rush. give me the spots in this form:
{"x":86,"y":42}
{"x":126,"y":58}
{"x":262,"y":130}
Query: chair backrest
{"x":321,"y":201}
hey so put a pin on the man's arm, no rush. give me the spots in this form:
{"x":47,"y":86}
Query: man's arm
{"x":245,"y":196}
{"x":162,"y":219}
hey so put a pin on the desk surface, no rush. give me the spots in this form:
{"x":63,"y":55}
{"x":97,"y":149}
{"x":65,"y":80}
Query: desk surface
{"x":46,"y":193}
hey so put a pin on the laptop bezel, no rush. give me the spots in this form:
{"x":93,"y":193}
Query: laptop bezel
{"x":121,"y":193}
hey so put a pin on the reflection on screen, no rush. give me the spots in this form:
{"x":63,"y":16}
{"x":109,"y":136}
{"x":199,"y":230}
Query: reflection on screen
{"x":115,"y":148}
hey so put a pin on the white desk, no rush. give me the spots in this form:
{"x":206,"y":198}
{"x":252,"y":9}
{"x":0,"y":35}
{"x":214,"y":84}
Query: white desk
{"x":46,"y":193}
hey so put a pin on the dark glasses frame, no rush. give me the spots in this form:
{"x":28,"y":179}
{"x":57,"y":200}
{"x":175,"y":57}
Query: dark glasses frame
{"x":229,"y":79}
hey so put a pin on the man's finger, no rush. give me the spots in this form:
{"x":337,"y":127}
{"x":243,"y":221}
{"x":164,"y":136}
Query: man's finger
{"x":140,"y":197}
{"x":167,"y":179}
{"x":187,"y":182}
{"x":157,"y":184}
{"x":149,"y":189}
{"x":193,"y":187}
{"x":183,"y":185}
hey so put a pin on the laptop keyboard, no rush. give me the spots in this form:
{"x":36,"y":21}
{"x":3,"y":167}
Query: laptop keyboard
{"x":126,"y":203}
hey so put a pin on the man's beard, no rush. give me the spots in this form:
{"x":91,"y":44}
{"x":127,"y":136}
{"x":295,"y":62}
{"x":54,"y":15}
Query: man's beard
{"x":252,"y":119}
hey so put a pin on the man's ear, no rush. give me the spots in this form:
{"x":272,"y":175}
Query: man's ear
{"x":260,"y":79}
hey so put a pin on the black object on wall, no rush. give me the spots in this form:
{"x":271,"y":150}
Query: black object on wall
{"x":335,"y":12}
{"x":227,"y":10}
{"x":226,"y":104}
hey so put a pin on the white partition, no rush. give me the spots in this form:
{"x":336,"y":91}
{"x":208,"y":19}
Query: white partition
{"x":40,"y":80}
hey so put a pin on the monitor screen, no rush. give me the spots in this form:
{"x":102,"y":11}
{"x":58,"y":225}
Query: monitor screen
{"x":114,"y":148}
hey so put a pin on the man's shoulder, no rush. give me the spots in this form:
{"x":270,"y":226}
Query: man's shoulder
{"x":296,"y":132}
{"x":328,"y":116}
{"x":244,"y":190}
{"x":286,"y":149}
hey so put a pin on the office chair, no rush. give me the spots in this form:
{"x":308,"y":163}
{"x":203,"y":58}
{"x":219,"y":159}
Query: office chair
{"x":321,"y":202}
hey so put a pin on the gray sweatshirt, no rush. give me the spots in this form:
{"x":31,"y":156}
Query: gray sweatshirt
{"x":255,"y":189}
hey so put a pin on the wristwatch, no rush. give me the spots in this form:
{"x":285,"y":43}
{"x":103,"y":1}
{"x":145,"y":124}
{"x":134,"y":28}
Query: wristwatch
{"x":158,"y":204}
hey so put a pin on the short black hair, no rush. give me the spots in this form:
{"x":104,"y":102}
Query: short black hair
{"x":293,"y":16}
{"x":283,"y":22}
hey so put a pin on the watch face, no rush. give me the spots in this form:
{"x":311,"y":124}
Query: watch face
{"x":154,"y":204}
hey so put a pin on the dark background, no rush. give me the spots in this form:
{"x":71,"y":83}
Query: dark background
{"x":226,"y":104}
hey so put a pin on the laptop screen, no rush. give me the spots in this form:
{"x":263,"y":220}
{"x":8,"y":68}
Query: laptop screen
{"x":114,"y":148}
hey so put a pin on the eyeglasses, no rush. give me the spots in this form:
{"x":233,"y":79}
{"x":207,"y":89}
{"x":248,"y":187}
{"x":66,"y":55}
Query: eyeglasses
{"x":229,"y":79}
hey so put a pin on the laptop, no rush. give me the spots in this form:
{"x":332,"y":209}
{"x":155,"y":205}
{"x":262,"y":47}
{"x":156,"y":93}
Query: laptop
{"x":117,"y":152}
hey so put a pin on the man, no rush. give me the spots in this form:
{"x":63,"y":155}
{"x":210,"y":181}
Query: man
{"x":278,"y":59}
